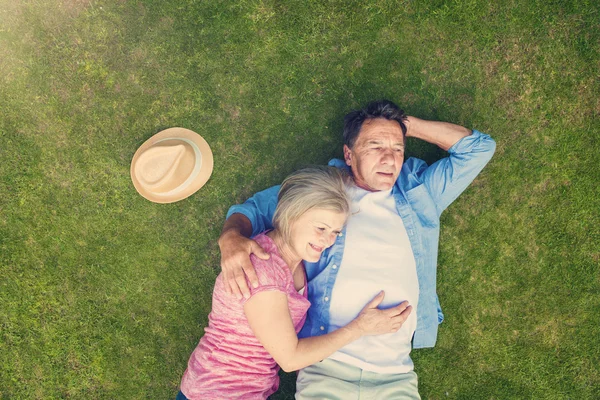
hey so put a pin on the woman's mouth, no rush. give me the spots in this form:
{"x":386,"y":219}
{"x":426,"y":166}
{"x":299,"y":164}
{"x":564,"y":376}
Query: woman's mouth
{"x":316,"y":248}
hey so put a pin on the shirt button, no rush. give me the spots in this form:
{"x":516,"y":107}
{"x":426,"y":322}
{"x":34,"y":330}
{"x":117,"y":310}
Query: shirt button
{"x":334,"y":266}
{"x":322,"y":328}
{"x":326,"y":298}
{"x":341,"y":234}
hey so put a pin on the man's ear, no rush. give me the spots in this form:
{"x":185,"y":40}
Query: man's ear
{"x":348,"y":155}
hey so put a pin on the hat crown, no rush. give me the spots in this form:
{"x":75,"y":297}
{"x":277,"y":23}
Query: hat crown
{"x":167,"y":166}
{"x":171,"y":165}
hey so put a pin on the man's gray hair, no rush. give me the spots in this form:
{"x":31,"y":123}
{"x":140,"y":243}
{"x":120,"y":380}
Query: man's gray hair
{"x":308,"y":188}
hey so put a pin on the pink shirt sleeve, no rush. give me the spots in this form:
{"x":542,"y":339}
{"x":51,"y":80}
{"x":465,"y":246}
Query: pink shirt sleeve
{"x":272,"y":274}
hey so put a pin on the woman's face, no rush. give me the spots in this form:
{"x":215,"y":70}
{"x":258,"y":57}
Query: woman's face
{"x":315,"y":231}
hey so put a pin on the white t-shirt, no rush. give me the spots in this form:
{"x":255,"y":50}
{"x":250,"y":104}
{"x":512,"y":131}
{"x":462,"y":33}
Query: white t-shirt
{"x":377,"y":256}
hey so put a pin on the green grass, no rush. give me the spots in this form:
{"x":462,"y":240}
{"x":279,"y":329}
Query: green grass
{"x":104,"y":294}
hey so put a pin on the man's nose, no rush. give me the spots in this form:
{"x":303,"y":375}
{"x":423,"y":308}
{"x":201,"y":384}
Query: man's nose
{"x":387,"y":157}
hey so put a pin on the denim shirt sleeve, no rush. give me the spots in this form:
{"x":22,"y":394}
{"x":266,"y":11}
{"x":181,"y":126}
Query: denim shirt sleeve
{"x":447,"y":178}
{"x":259,"y":209}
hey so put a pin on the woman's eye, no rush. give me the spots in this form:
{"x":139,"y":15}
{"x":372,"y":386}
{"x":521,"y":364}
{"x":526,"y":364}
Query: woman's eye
{"x":321,"y":229}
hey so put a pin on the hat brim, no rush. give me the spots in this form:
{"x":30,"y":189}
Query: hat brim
{"x":203,"y":176}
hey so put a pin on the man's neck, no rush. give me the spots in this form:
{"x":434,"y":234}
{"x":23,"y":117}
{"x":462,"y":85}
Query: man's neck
{"x":368,"y":189}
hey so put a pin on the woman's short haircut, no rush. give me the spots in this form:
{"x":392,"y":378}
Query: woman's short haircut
{"x":306,"y":189}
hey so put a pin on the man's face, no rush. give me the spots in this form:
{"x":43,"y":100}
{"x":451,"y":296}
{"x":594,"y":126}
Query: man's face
{"x":377,"y":155}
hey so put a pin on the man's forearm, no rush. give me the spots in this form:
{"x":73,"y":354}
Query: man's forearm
{"x":442,"y":134}
{"x":239,"y":224}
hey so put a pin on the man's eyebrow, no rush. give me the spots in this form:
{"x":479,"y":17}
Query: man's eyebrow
{"x":374,"y":141}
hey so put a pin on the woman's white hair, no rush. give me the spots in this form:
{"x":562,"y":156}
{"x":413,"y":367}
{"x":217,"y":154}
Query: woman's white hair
{"x":306,"y":189}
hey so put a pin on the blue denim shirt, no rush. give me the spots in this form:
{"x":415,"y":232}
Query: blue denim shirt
{"x":422,"y":192}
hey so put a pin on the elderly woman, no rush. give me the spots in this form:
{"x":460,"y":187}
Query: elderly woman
{"x":245,"y":339}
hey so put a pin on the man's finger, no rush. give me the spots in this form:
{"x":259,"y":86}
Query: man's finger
{"x":245,"y":270}
{"x":240,"y":281}
{"x":250,"y":274}
{"x":234,"y":288}
{"x":226,"y":278}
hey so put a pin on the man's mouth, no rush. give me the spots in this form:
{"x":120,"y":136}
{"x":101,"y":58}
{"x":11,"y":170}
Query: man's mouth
{"x":316,"y":248}
{"x":386,"y":174}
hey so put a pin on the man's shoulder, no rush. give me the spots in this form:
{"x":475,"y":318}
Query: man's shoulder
{"x":411,"y":173}
{"x":412,"y":165}
{"x":336,"y":162}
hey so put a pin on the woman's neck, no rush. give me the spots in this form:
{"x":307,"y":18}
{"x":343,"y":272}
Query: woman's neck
{"x":290,"y":258}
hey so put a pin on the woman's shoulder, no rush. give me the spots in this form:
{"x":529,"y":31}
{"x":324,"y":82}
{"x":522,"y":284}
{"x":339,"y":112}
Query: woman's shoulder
{"x":273,"y":271}
{"x":265,"y":242}
{"x":268,"y":245}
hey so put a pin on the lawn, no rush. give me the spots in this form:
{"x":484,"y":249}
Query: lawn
{"x":103,"y":294}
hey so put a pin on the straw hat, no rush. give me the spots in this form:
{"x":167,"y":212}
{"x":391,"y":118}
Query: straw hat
{"x":171,"y":165}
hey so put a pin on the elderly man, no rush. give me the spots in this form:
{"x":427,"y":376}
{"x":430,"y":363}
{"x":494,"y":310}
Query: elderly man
{"x":390,"y":243}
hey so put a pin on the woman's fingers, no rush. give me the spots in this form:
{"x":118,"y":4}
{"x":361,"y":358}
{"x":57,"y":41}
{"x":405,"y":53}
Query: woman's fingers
{"x":375,"y":321}
{"x":402,"y":317}
{"x":398,"y":315}
{"x":399,"y":309}
{"x":375,"y":301}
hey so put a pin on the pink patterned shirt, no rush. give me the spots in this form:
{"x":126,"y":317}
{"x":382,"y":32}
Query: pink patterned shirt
{"x":229,"y":362}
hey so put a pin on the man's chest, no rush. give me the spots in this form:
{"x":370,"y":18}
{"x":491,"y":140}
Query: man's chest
{"x":377,"y":256}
